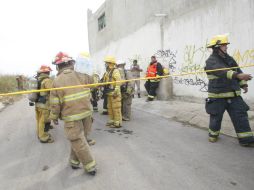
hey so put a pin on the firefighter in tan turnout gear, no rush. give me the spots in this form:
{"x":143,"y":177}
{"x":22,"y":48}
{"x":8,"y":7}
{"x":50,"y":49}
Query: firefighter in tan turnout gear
{"x":42,"y":105}
{"x":127,"y":91}
{"x":113,"y":93}
{"x":95,"y":93}
{"x":74,"y":107}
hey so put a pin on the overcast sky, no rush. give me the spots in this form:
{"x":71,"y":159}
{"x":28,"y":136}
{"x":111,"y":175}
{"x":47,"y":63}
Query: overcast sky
{"x":33,"y":31}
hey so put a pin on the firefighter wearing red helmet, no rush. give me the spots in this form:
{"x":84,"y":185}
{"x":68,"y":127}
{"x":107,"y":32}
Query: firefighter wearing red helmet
{"x":73,"y":106}
{"x":42,"y":105}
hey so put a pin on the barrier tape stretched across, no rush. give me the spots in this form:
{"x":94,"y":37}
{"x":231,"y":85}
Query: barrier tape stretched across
{"x":122,"y":81}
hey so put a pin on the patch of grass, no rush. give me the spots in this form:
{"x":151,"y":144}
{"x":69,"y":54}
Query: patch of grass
{"x":8,"y":83}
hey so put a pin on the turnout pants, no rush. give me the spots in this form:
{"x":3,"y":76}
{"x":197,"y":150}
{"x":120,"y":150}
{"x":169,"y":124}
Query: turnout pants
{"x":114,"y":110}
{"x":76,"y":132}
{"x":126,"y":106}
{"x":94,"y":99}
{"x":237,"y":110}
{"x":151,"y":88}
{"x":42,"y":123}
{"x":105,"y":103}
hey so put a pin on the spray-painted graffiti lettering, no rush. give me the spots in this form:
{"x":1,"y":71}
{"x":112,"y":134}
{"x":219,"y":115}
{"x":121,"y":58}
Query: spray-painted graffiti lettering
{"x":196,"y":81}
{"x":194,"y":58}
{"x":244,"y":58}
{"x":168,"y":58}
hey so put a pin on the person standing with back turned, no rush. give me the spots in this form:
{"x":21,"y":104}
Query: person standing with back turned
{"x":74,"y":107}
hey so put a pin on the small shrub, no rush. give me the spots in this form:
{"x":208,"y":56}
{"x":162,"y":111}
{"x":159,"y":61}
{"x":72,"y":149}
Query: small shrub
{"x":8,"y":83}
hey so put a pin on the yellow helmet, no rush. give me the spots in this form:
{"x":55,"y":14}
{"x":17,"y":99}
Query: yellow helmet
{"x":84,"y":54}
{"x":218,"y":40}
{"x":110,"y":59}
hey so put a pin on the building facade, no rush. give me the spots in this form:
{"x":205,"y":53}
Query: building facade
{"x":176,"y":32}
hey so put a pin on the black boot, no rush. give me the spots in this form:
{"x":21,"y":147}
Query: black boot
{"x":149,"y":99}
{"x":139,"y":95}
{"x":250,"y":144}
{"x":47,"y":127}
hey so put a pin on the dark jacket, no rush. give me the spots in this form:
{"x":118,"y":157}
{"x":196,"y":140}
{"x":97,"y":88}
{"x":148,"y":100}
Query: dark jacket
{"x":159,"y":69}
{"x":223,"y":84}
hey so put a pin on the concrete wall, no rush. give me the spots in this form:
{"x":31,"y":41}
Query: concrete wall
{"x":178,"y":40}
{"x":122,"y":18}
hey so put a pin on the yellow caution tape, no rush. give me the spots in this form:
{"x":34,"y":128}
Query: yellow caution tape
{"x":122,"y":81}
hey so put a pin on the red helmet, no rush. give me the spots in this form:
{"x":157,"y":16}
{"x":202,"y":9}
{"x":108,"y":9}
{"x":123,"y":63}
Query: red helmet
{"x":44,"y":69}
{"x":62,"y":58}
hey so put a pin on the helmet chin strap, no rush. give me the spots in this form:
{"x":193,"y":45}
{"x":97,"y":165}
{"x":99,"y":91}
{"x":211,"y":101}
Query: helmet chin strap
{"x":223,"y":53}
{"x":219,"y":51}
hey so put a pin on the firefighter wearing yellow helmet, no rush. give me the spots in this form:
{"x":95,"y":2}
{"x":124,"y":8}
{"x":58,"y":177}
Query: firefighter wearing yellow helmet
{"x":224,"y":92}
{"x":113,"y":93}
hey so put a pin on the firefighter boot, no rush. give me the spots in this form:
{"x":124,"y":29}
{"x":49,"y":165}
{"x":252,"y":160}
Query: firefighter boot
{"x":95,"y":109}
{"x":213,"y":139}
{"x":90,"y":168}
{"x":251,"y":144}
{"x":91,"y":142}
{"x":74,"y":164}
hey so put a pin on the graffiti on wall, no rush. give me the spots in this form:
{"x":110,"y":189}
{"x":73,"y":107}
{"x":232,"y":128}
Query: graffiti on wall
{"x":194,"y":58}
{"x":135,"y":57}
{"x":244,"y":58}
{"x":141,"y":60}
{"x":167,"y":58}
{"x":192,"y":81}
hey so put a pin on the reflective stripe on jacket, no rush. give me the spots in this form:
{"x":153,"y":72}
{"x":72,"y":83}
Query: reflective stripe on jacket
{"x":70,"y":104}
{"x":223,"y":83}
{"x":113,"y":75}
{"x":46,"y":83}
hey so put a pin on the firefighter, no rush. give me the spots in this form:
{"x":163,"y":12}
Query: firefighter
{"x":224,"y":93}
{"x":127,"y":91}
{"x":113,"y":93}
{"x":42,"y":108}
{"x":104,"y":95}
{"x":95,"y":93}
{"x":73,"y":106}
{"x":154,"y":69}
{"x":135,"y":69}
